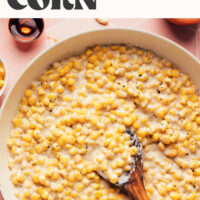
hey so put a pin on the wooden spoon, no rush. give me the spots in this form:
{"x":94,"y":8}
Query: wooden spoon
{"x":132,"y":181}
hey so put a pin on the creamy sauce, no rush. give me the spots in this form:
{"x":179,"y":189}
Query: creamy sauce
{"x":72,"y":123}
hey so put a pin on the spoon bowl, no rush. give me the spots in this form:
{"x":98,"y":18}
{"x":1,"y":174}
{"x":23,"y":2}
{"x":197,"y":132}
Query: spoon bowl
{"x":132,"y":181}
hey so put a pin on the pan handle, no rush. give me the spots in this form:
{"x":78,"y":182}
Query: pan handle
{"x":1,"y":197}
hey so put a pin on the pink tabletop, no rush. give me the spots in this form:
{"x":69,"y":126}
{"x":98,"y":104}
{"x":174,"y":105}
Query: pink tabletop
{"x":17,"y":56}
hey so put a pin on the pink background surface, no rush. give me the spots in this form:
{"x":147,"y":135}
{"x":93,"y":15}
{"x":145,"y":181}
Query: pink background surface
{"x":17,"y":56}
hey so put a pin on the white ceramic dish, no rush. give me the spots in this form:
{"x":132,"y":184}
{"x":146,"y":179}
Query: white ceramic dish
{"x":5,"y":78}
{"x":73,"y":45}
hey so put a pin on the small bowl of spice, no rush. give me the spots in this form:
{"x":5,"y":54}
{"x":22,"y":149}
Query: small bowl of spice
{"x":3,"y":76}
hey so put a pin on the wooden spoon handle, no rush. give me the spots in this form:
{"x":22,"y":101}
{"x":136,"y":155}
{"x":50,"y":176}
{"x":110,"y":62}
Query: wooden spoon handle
{"x":139,"y":165}
{"x":135,"y":187}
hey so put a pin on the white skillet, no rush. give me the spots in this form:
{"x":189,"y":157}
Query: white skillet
{"x":73,"y":45}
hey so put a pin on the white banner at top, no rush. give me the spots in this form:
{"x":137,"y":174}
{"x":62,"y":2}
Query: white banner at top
{"x":99,"y":8}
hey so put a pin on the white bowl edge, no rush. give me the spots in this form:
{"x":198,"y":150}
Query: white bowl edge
{"x":5,"y":77}
{"x":13,"y":98}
